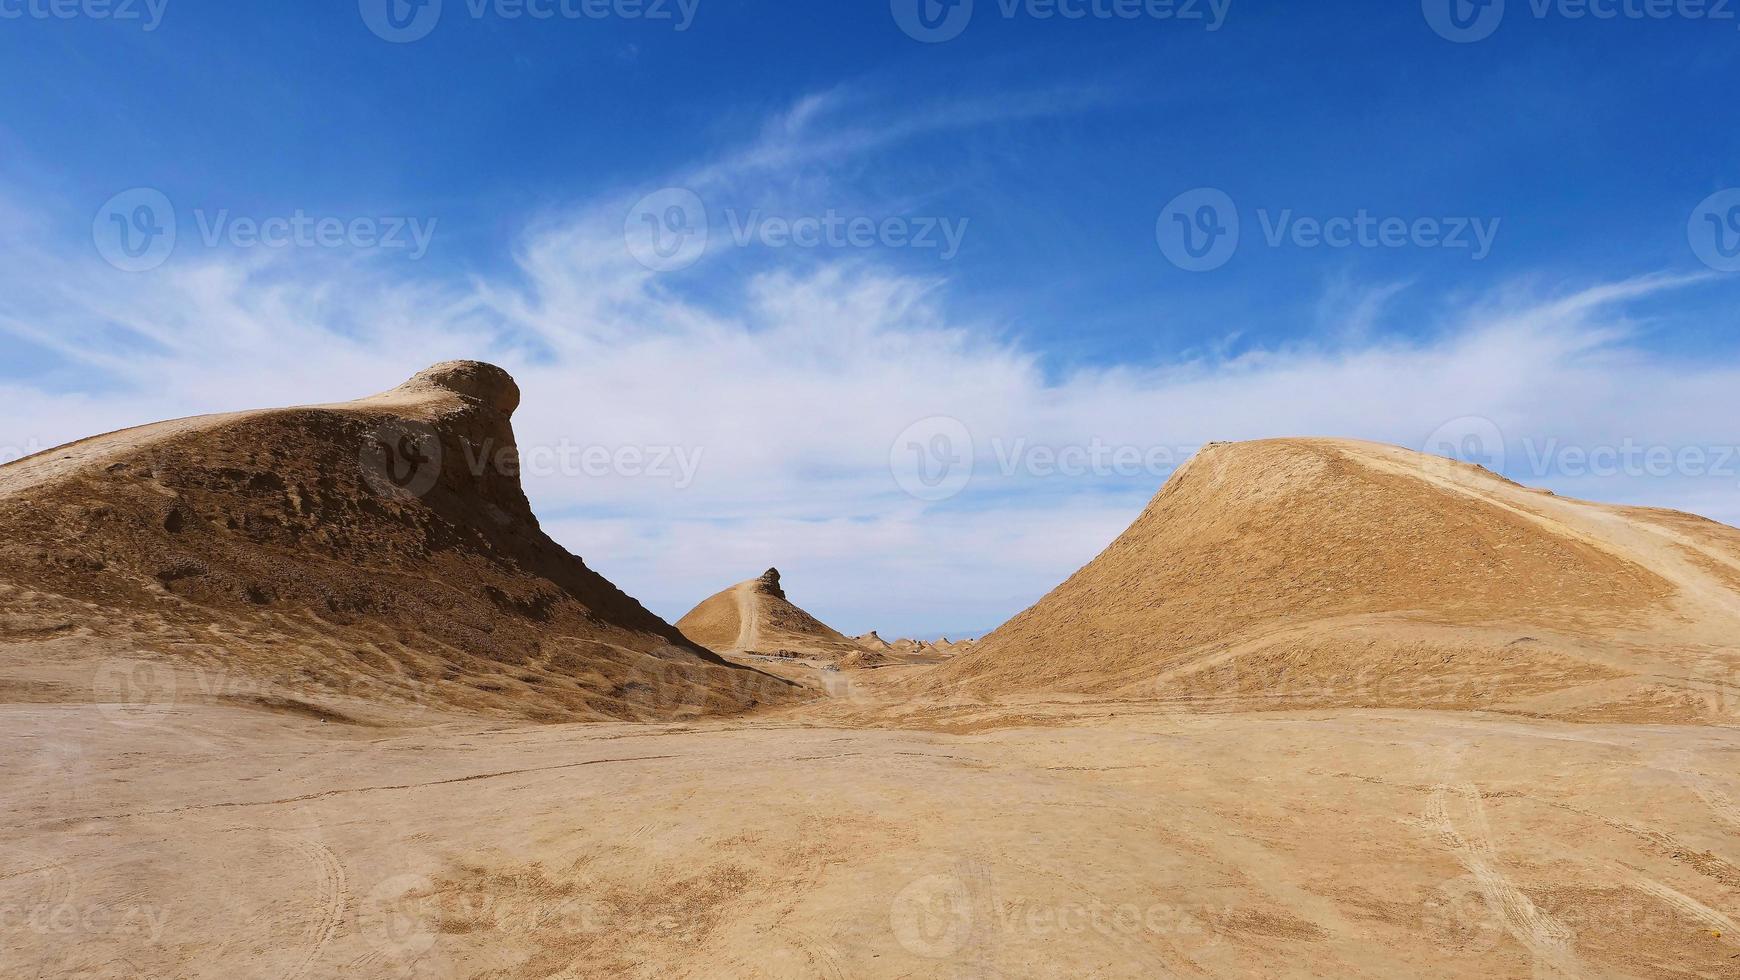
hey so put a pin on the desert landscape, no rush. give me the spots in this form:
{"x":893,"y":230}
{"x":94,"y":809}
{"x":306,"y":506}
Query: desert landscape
{"x":308,"y":693}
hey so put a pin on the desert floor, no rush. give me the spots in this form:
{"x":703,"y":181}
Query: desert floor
{"x":867,"y":836}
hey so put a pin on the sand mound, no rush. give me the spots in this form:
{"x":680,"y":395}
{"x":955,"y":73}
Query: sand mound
{"x":756,"y":617}
{"x":872,"y":641}
{"x":865,"y":659}
{"x":1298,"y":572}
{"x":355,"y":556}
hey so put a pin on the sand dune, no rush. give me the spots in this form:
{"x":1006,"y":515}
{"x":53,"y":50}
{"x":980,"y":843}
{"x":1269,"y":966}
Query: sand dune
{"x":371,"y":559}
{"x":1312,"y":572}
{"x":755,"y":617}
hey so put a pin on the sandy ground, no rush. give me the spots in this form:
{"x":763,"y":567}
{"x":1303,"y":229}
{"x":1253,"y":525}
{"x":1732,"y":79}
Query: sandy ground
{"x":868,"y":836}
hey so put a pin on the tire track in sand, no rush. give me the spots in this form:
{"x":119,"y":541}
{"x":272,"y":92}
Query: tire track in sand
{"x":1685,"y":903}
{"x":320,"y":913}
{"x":332,"y":890}
{"x":748,"y":632}
{"x":1683,"y":765}
{"x":1547,"y":939}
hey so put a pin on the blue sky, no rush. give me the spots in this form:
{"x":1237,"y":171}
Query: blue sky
{"x":526,"y":149}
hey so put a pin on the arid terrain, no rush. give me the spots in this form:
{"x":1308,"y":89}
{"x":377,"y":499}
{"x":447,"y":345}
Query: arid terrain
{"x":307,"y":693}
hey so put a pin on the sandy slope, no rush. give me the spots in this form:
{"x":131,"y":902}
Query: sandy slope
{"x":335,"y":560}
{"x":1298,"y":572}
{"x":872,"y":641}
{"x":756,"y":617}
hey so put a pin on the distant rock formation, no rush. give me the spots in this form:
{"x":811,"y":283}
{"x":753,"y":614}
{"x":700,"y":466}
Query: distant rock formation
{"x":756,"y":617}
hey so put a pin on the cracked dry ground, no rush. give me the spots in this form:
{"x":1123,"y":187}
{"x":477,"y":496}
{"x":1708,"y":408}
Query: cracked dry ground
{"x":868,"y":837}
